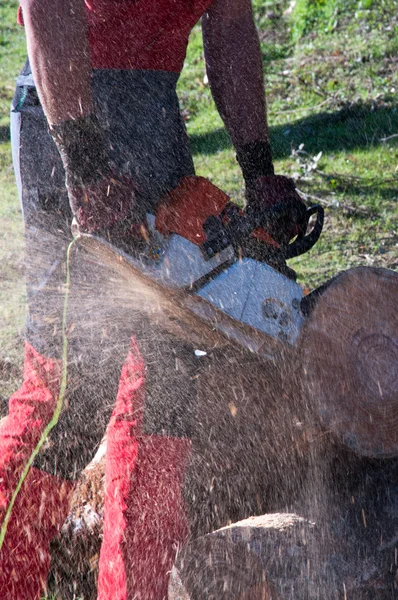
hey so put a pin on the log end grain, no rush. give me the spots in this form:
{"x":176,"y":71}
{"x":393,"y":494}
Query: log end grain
{"x":212,"y":568}
{"x":349,"y":354}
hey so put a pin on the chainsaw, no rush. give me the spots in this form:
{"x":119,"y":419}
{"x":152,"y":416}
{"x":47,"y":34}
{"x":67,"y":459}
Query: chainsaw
{"x":207,"y":278}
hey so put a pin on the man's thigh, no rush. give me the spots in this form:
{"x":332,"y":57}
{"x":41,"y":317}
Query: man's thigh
{"x":140,"y":112}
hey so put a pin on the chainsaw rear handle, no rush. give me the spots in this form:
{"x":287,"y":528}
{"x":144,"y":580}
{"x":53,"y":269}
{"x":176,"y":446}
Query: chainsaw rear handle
{"x":233,"y":227}
{"x":303,"y":242}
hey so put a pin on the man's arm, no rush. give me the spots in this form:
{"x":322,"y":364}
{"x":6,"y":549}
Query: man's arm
{"x":234,"y":69}
{"x":56,"y":34}
{"x":58,"y":48}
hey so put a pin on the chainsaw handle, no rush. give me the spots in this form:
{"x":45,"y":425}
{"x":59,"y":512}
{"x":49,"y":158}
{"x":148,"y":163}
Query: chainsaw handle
{"x":240,"y":226}
{"x":303,"y":243}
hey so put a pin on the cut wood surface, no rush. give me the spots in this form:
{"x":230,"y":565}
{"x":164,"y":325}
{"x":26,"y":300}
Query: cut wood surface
{"x":212,"y":568}
{"x":349,"y":353}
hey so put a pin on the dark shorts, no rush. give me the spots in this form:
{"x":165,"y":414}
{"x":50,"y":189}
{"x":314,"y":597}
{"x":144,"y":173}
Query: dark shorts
{"x":139,"y":111}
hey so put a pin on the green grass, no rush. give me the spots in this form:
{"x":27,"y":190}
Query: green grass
{"x":12,"y":293}
{"x":12,"y":52}
{"x":332,"y":90}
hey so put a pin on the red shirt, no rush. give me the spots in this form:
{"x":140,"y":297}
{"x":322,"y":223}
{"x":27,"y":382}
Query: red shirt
{"x":140,"y":34}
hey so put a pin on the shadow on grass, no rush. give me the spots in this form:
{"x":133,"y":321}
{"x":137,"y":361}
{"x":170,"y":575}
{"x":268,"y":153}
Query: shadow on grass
{"x":349,"y":129}
{"x":4,"y":133}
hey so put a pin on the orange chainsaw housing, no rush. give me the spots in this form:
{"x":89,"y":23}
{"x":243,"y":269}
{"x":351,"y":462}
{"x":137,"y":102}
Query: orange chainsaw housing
{"x":185,"y":210}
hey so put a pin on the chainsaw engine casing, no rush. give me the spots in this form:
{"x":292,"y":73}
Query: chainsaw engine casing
{"x":224,"y":265}
{"x":259,"y":296}
{"x":250,"y":291}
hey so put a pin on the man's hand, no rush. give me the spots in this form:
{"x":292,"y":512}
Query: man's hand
{"x":277,"y":195}
{"x":266,"y":191}
{"x":102,"y":204}
{"x":98,"y":195}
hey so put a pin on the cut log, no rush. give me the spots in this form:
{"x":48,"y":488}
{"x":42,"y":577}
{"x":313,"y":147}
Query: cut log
{"x":348,"y":552}
{"x":270,"y":557}
{"x":349,"y":357}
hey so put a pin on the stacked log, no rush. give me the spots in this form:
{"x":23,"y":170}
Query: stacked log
{"x":305,"y":447}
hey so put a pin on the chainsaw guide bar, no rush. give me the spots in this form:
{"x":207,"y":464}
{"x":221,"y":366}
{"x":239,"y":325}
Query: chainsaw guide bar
{"x":182,"y":312}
